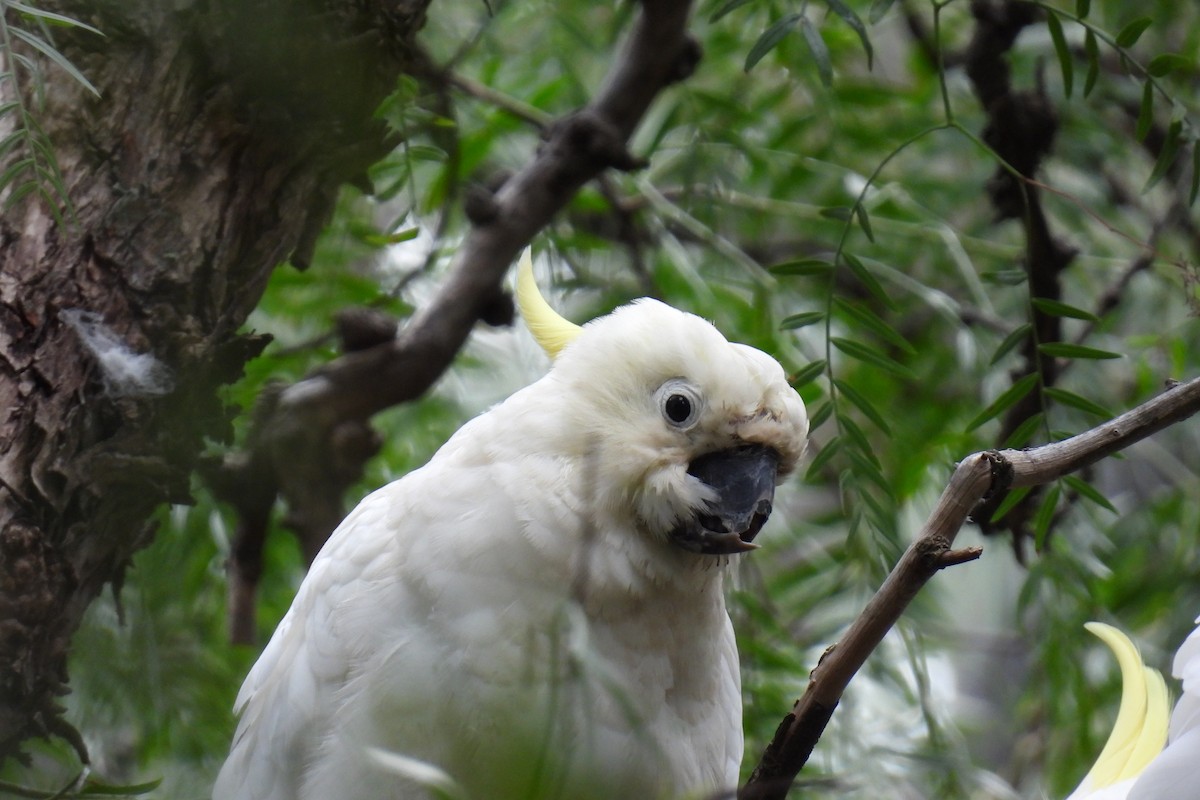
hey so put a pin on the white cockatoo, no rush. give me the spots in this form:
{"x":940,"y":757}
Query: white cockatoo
{"x":538,"y":611}
{"x":1134,"y":764}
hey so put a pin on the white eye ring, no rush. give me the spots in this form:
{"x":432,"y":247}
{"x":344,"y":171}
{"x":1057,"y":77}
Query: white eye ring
{"x":679,"y":403}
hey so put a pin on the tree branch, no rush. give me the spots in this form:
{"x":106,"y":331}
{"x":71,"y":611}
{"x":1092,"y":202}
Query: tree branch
{"x":977,"y":477}
{"x":577,"y":149}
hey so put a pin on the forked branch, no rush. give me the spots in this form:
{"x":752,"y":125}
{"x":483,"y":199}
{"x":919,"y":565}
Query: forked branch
{"x":976,"y":477}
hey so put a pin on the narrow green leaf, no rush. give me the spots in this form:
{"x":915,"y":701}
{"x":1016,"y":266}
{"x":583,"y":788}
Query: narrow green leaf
{"x":725,"y":9}
{"x":1012,"y":340}
{"x":822,"y":458}
{"x":1082,"y":7}
{"x":769,"y":38}
{"x":808,"y":374}
{"x":871,"y":321}
{"x":864,"y":405}
{"x":425,"y":152}
{"x":58,"y":58}
{"x":868,"y":280}
{"x":1045,"y":516}
{"x":1065,"y":62}
{"x":870,"y":355}
{"x":15,"y":169}
{"x":802,"y":266}
{"x":1077,"y":401}
{"x":869,"y":469}
{"x":820,"y":53}
{"x":1024,"y":432}
{"x":1085,"y":489}
{"x":1058,"y":309}
{"x":1129,"y":35}
{"x":819,"y":416}
{"x":50,"y":16}
{"x":878,"y":9}
{"x":836,"y":212}
{"x":1145,"y":112}
{"x":864,"y":222}
{"x":1091,"y":48}
{"x":1068,"y":350}
{"x":1005,"y":277}
{"x":801,"y":320}
{"x":852,"y":19}
{"x":1166,"y":63}
{"x":855,"y":435}
{"x":1009,"y":502}
{"x":1007,"y":399}
{"x":1166,"y":155}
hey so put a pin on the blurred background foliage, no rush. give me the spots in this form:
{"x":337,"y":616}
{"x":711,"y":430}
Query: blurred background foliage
{"x":818,"y":190}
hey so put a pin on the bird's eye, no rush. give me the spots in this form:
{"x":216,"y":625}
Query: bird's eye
{"x":679,"y":403}
{"x":678,"y":408}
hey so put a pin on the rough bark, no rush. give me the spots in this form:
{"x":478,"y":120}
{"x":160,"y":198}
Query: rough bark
{"x":214,"y":154}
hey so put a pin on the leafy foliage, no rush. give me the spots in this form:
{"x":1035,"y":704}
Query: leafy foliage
{"x":819,"y":190}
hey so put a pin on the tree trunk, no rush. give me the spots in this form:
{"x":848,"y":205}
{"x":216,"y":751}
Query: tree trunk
{"x":214,"y":153}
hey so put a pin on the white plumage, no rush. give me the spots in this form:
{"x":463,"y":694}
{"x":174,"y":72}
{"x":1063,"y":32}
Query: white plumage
{"x":538,"y":611}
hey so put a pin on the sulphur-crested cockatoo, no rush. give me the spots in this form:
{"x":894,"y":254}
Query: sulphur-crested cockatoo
{"x":538,"y":611}
{"x":1134,"y":764}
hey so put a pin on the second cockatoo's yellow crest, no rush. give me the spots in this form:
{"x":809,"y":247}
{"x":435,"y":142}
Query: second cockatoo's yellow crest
{"x":1141,"y":727}
{"x":550,"y":330}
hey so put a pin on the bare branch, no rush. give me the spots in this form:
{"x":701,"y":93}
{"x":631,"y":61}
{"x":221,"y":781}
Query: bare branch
{"x":577,"y":149}
{"x":978,"y":476}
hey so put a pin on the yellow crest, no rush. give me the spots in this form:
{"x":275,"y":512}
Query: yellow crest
{"x":550,"y":330}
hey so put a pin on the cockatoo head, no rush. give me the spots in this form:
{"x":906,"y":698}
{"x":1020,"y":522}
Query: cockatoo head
{"x":689,"y":433}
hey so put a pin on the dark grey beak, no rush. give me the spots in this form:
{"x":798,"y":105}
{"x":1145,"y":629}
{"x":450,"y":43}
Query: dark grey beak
{"x":744,"y":480}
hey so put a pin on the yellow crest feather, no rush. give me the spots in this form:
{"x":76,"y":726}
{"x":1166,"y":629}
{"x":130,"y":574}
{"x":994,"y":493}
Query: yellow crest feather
{"x":550,"y":330}
{"x":1140,"y":731}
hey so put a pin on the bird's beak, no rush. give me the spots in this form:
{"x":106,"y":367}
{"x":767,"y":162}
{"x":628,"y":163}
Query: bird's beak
{"x":744,"y":481}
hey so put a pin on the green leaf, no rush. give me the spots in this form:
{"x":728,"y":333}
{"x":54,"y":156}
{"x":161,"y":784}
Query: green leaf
{"x":864,"y":222}
{"x":819,"y":416}
{"x":1082,"y":7}
{"x":1076,"y":401}
{"x":1129,"y":35}
{"x":58,"y":58}
{"x":822,"y":458}
{"x":769,"y":38}
{"x":1092,"y":49}
{"x":1024,"y":432}
{"x":871,"y":321}
{"x":1055,"y":308}
{"x":878,"y":9}
{"x":1166,"y":155}
{"x":51,"y":17}
{"x":1012,"y":340}
{"x":1045,"y":516}
{"x":801,"y":320}
{"x":1005,"y":277}
{"x":1145,"y":112}
{"x":802,"y":266}
{"x":1085,"y":489}
{"x":1009,"y":502}
{"x":808,"y":374}
{"x":425,"y":152}
{"x":870,"y":355}
{"x":867,"y":279}
{"x":1068,"y":350}
{"x":1166,"y":63}
{"x":1005,"y":401}
{"x":856,"y":436}
{"x":869,"y":469}
{"x":1065,"y":62}
{"x":820,"y":53}
{"x":725,"y":9}
{"x":864,"y":405}
{"x":836,"y":212}
{"x":852,"y":19}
